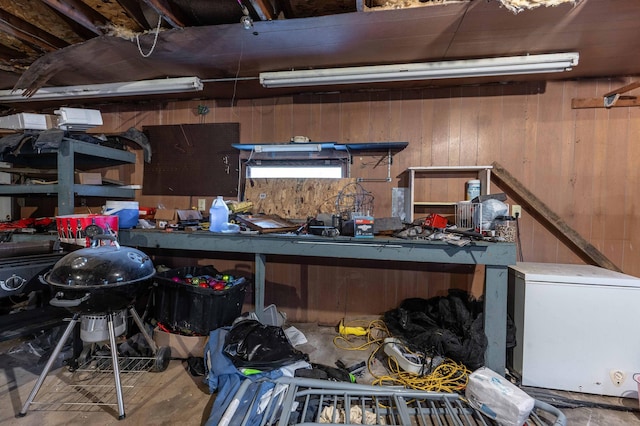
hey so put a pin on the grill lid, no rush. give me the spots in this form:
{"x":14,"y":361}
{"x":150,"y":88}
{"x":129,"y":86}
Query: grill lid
{"x":101,"y":266}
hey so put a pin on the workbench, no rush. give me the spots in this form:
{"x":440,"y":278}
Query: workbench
{"x":495,"y":256}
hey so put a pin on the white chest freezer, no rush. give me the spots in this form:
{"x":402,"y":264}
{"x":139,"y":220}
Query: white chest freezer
{"x":577,"y":328}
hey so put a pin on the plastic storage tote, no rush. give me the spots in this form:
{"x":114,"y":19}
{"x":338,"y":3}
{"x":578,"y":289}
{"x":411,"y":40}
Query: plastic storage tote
{"x":187,"y":307}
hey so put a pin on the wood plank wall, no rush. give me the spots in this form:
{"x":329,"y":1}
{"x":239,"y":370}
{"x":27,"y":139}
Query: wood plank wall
{"x":582,"y":163}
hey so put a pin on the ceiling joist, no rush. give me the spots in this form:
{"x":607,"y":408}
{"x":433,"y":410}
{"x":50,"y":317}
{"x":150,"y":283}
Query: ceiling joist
{"x":79,"y":12}
{"x":263,"y":9}
{"x":8,"y":54}
{"x":29,"y":33}
{"x":134,"y":11}
{"x":162,"y":8}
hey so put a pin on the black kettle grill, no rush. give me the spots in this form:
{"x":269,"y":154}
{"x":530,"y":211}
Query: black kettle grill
{"x":98,"y":285}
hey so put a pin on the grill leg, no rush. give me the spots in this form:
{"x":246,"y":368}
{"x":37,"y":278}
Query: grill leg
{"x":49,"y":364}
{"x":143,"y":330}
{"x":116,"y":367}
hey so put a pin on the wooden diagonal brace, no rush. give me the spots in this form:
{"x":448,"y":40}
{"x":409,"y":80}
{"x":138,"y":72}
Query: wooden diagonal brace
{"x":549,"y":218}
{"x":610,"y":99}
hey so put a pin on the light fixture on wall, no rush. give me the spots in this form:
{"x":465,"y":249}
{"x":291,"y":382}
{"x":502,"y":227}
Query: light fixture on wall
{"x":108,"y":90}
{"x":512,"y":65}
{"x":292,"y":147}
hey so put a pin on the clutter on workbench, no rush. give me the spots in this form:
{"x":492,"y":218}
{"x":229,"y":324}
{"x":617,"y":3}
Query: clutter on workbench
{"x":267,"y":223}
{"x":80,"y":229}
{"x":218,"y":215}
{"x":128,"y":212}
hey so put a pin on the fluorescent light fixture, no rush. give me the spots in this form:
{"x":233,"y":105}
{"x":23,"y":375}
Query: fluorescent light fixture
{"x":296,"y":172}
{"x":108,"y":90}
{"x":512,"y":65}
{"x":290,"y":147}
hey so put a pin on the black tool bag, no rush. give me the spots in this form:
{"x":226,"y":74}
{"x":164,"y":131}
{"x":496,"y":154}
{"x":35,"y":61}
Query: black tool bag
{"x":251,"y":344}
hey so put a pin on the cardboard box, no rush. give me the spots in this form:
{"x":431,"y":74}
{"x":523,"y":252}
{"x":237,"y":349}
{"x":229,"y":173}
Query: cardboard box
{"x":164,"y":217}
{"x":90,"y":178}
{"x":181,"y":346}
{"x":25,"y":121}
{"x":82,"y":210}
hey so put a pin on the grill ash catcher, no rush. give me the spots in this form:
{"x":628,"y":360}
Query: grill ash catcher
{"x":99,"y":285}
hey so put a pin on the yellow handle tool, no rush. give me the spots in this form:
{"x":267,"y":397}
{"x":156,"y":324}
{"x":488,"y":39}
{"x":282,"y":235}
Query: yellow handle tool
{"x":356,"y":331}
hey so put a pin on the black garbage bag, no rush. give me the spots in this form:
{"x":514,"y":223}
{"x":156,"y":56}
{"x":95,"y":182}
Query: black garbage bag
{"x":449,"y":326}
{"x":251,"y":344}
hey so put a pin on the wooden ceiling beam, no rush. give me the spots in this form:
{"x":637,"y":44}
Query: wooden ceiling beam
{"x":133,"y":9}
{"x":79,"y":12}
{"x":9,"y":54}
{"x":162,"y":8}
{"x":264,"y":9}
{"x":29,"y":33}
{"x":285,"y":7}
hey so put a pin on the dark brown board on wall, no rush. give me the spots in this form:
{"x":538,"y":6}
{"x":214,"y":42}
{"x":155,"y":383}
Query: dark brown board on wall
{"x":192,"y":159}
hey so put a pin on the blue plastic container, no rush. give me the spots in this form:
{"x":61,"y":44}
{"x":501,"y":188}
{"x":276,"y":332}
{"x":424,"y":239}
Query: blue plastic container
{"x":128,"y":212}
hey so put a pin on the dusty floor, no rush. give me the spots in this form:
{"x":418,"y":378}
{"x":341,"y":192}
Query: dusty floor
{"x":176,"y":397}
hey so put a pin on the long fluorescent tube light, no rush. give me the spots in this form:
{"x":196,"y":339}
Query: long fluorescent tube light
{"x":512,"y":65}
{"x":293,"y":147}
{"x":127,"y":88}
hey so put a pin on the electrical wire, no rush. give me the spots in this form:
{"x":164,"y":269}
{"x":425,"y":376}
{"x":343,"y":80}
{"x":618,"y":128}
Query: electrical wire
{"x":449,"y":376}
{"x":519,"y":243}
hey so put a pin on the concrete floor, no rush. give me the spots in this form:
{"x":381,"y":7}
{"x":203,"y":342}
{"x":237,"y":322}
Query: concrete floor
{"x":175,"y":397}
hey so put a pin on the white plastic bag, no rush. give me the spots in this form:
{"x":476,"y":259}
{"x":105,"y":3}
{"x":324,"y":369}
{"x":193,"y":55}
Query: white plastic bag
{"x":497,"y":398}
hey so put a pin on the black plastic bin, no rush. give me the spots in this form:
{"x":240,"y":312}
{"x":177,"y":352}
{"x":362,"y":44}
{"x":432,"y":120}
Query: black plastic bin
{"x":184,"y":307}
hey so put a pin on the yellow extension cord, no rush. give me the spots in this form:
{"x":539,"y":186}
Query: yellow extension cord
{"x":449,"y":376}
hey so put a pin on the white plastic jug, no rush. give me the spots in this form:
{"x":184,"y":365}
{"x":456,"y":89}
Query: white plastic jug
{"x":218,"y":215}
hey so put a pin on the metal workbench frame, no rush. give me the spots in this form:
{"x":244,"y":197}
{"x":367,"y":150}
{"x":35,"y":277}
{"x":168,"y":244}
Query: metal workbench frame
{"x":495,"y":256}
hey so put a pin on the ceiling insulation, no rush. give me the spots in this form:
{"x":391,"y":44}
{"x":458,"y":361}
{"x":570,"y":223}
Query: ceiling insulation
{"x":517,"y":6}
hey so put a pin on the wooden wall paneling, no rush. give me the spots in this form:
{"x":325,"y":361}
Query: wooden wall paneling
{"x":407,"y":122}
{"x":468,"y":106}
{"x":566,"y":202}
{"x":424,"y":155}
{"x":489,"y":125}
{"x":440,"y":135}
{"x":328,"y":291}
{"x":286,"y":286}
{"x":454,"y":187}
{"x":264,"y":120}
{"x":615,"y":179}
{"x":526,"y":167}
{"x":329,"y":123}
{"x":379,"y":116}
{"x":513,"y":128}
{"x":455,"y":127}
{"x":356,"y":114}
{"x":584,"y":152}
{"x":546,"y":184}
{"x":513,"y":124}
{"x":242,"y":113}
{"x":631,"y":209}
{"x":438,"y":189}
{"x":283,"y":119}
{"x":599,"y":167}
{"x":302,"y":117}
